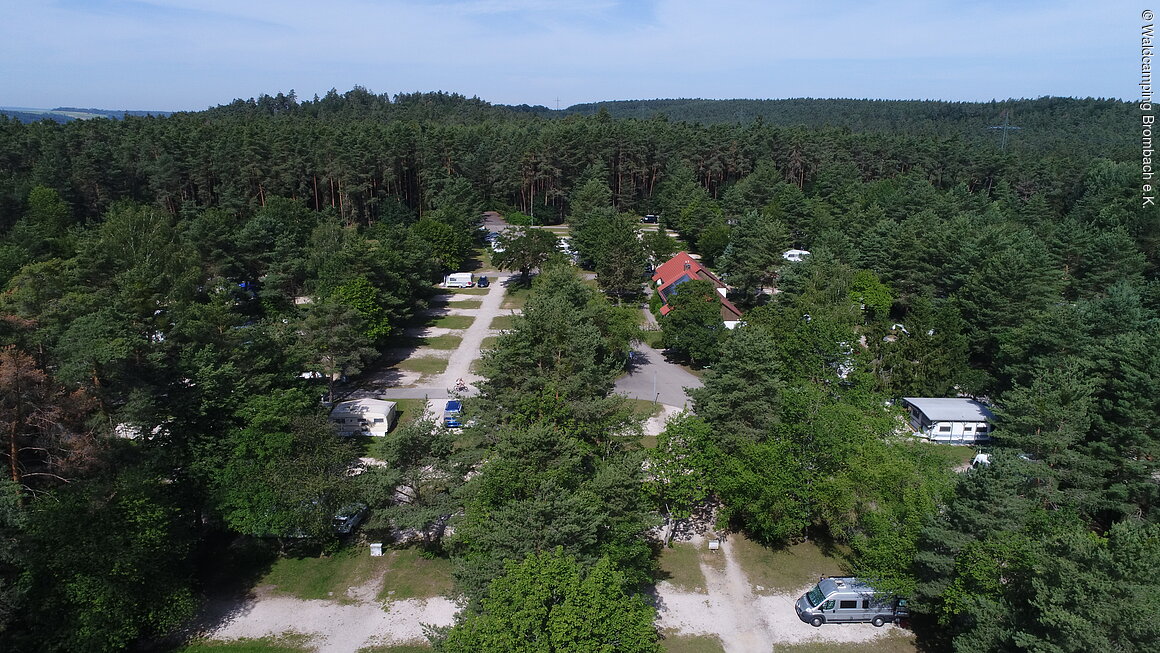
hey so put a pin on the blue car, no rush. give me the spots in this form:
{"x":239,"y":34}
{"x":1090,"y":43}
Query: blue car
{"x":451,"y":414}
{"x":482,"y":282}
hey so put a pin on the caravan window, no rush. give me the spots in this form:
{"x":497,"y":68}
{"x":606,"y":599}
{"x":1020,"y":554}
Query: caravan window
{"x":847,"y":605}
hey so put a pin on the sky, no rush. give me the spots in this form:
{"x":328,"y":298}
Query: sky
{"x":192,"y":54}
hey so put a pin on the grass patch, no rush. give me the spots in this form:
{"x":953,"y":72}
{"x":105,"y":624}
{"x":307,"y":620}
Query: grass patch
{"x":516,"y":297}
{"x":955,"y":455}
{"x":411,"y":576}
{"x":680,"y":565}
{"x":648,"y":441}
{"x":424,"y":365}
{"x":407,"y":410}
{"x":785,"y":570}
{"x":652,"y":338}
{"x":467,"y":291}
{"x":895,"y":642}
{"x":644,"y":409}
{"x":284,"y":643}
{"x":453,"y":321}
{"x":466,"y":303}
{"x":444,"y":342}
{"x":396,"y":648}
{"x":675,"y":643}
{"x":489,"y":342}
{"x":503,"y":322}
{"x":322,"y":578}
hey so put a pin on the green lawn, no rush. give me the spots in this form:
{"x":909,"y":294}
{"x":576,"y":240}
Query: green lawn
{"x":407,"y":410}
{"x":444,"y":342}
{"x":784,"y":570}
{"x":424,"y":365}
{"x":489,"y":342}
{"x":411,"y":576}
{"x":516,"y":297}
{"x":466,"y":291}
{"x":453,"y":321}
{"x":644,"y":409}
{"x":285,"y":643}
{"x":652,"y":338}
{"x":502,"y":322}
{"x":323,"y":577}
{"x":466,"y":303}
{"x":680,"y":566}
{"x":895,"y":642}
{"x":674,"y":643}
{"x":956,"y":455}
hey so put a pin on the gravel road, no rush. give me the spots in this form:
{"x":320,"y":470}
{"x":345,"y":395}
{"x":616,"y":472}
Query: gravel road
{"x":744,"y":621}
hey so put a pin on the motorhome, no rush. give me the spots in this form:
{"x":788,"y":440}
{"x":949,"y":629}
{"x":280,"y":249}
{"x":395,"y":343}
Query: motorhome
{"x":848,"y":600}
{"x":459,"y":280}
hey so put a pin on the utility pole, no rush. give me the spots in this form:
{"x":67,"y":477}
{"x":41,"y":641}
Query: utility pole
{"x":1006,"y":127}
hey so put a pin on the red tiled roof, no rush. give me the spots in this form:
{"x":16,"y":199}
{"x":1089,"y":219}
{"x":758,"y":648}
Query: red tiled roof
{"x":673,"y":268}
{"x":682,"y":264}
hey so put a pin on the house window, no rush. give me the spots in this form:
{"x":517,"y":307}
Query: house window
{"x":968,"y":428}
{"x":944,"y":428}
{"x":378,"y":420}
{"x":847,"y":605}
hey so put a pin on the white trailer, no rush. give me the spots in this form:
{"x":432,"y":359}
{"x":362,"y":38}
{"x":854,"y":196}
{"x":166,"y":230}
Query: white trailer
{"x":459,"y":280}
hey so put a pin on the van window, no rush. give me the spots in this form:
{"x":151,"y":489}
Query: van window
{"x":847,"y":605}
{"x":828,"y":605}
{"x":865,"y":604}
{"x":815,"y":596}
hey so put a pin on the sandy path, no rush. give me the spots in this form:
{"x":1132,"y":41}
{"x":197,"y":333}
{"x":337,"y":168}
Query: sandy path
{"x":744,"y":621}
{"x":459,"y":363}
{"x":654,"y":425}
{"x":338,"y":628}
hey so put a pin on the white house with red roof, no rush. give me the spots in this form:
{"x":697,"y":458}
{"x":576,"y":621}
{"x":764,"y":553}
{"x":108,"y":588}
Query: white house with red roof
{"x":682,"y":268}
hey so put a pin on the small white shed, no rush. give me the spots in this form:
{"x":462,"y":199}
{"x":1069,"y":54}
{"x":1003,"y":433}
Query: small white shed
{"x":957,"y":420}
{"x":363,"y":417}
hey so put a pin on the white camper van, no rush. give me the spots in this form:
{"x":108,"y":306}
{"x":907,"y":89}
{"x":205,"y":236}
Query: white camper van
{"x":848,"y":600}
{"x":459,"y":280}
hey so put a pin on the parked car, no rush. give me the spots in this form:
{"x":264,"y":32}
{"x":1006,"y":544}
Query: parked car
{"x":349,"y":517}
{"x":451,"y":414}
{"x":649,"y":219}
{"x":482,"y":282}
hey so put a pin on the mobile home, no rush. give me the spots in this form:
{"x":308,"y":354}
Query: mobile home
{"x":363,"y":417}
{"x":957,"y":420}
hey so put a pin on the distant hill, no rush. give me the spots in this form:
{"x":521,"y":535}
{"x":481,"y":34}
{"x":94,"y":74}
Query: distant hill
{"x":69,"y":114}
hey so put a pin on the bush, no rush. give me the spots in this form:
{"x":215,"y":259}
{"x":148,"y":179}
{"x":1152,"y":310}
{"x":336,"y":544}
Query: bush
{"x":518,"y":219}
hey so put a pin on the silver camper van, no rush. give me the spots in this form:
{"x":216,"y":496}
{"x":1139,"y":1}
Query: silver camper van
{"x":848,"y":600}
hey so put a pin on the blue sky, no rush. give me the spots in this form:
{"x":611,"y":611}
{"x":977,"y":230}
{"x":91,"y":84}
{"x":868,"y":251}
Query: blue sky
{"x":192,"y":54}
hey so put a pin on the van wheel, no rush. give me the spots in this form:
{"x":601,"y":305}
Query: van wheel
{"x":878,"y":621}
{"x":817,"y":622}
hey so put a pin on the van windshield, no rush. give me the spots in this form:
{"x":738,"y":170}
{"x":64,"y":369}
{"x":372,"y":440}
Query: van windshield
{"x":815,"y":596}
